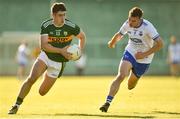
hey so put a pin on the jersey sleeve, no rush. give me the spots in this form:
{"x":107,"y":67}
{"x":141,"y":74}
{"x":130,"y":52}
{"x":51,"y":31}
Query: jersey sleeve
{"x":43,"y":30}
{"x":123,"y":29}
{"x":76,"y":30}
{"x":152,"y":32}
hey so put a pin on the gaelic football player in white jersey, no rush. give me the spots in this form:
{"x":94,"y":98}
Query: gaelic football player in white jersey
{"x":144,"y":41}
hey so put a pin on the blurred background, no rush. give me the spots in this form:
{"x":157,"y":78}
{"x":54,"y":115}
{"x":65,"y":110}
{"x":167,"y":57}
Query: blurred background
{"x":100,"y":19}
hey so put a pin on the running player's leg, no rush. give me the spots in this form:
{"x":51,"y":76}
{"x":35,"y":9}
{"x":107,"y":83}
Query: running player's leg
{"x":124,"y":69}
{"x":132,"y":81}
{"x":46,"y":84}
{"x":53,"y":72}
{"x":137,"y":71}
{"x":37,"y":70}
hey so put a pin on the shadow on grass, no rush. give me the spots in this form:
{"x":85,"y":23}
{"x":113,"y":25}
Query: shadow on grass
{"x":96,"y":115}
{"x":165,"y":112}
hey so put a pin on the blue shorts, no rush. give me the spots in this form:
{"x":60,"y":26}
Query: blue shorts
{"x":137,"y":68}
{"x":175,"y":62}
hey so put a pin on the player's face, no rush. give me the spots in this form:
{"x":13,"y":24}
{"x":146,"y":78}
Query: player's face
{"x":59,"y":17}
{"x":134,"y":21}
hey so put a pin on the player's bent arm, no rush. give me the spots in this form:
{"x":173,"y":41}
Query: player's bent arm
{"x":82,"y":39}
{"x":47,"y":47}
{"x":157,"y":46}
{"x":114,"y":40}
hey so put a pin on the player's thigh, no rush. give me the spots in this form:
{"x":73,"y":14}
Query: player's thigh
{"x":46,"y":85}
{"x":54,"y":71}
{"x":132,"y":80}
{"x":38,"y":68}
{"x":124,"y":67}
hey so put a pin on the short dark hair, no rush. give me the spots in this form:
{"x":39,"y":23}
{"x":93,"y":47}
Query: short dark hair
{"x":136,"y":12}
{"x":56,"y":7}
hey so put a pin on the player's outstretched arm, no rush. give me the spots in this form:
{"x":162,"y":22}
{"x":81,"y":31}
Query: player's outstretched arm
{"x":49,"y":48}
{"x":157,"y":46}
{"x":114,"y":40}
{"x":82,"y":39}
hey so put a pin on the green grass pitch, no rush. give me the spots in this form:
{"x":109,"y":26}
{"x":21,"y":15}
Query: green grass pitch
{"x":80,"y":98}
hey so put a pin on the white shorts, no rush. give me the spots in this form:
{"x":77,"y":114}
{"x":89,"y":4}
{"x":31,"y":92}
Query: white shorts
{"x":54,"y":69}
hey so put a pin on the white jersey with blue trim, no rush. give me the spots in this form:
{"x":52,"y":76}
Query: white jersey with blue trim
{"x":174,"y":51}
{"x":141,"y":39}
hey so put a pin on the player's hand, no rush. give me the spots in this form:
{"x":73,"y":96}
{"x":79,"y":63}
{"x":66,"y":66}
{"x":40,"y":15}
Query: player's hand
{"x":66,"y":54}
{"x":140,"y":55}
{"x":111,"y":45}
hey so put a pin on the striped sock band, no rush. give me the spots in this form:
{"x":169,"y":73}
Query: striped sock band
{"x":109,"y":99}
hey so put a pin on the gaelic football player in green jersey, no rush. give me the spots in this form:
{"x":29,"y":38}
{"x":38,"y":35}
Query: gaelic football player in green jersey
{"x":56,"y":35}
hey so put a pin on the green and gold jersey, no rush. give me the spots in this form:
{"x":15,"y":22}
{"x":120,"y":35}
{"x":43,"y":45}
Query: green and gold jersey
{"x":59,"y":37}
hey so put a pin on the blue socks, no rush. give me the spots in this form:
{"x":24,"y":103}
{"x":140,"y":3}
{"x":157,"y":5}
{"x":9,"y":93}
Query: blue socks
{"x":109,"y":99}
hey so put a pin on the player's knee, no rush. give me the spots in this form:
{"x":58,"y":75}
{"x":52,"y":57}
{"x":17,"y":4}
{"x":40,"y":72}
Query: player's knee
{"x":130,"y":87}
{"x":42,"y":92}
{"x":121,"y":76}
{"x":31,"y":80}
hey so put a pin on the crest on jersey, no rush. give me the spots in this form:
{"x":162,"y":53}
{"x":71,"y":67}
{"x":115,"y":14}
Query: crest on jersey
{"x":140,"y":33}
{"x":65,"y":33}
{"x":58,"y":32}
